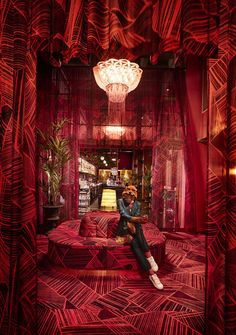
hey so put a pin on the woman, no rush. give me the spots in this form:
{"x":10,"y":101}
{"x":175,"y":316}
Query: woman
{"x":130,"y":231}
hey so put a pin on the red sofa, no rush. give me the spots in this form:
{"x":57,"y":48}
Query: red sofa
{"x":90,"y":243}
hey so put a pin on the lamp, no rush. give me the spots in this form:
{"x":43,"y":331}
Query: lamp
{"x":114,"y":132}
{"x":117,"y":77}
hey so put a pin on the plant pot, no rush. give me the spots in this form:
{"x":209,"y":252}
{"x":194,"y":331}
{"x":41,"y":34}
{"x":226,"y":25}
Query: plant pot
{"x":51,"y":214}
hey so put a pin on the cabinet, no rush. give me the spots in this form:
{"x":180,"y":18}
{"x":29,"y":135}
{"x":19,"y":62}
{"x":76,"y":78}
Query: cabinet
{"x":86,"y":167}
{"x":84,"y":201}
{"x":169,"y":208}
{"x":95,"y":192}
{"x":87,"y":177}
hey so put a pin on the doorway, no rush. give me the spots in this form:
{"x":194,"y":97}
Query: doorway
{"x":105,"y":170}
{"x":73,"y":291}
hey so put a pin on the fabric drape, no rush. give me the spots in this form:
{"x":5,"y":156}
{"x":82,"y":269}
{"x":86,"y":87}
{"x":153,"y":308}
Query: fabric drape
{"x":176,"y":157}
{"x":157,"y":115}
{"x":61,"y":30}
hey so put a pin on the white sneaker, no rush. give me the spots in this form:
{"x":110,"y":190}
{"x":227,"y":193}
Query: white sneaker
{"x":156,"y":282}
{"x":153,"y":264}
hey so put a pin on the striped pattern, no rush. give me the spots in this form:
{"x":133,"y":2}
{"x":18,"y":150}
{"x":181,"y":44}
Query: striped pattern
{"x":68,"y":249}
{"x":221,"y":239}
{"x":17,"y":171}
{"x":81,"y":28}
{"x":157,"y":26}
{"x":99,"y":224}
{"x":125,"y":302}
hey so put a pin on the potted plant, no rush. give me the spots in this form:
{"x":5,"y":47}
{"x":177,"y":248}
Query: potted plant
{"x":55,"y":152}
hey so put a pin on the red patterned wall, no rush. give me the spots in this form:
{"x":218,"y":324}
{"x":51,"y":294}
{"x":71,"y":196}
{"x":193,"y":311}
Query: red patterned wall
{"x":221,"y":239}
{"x":230,"y":266}
{"x":104,"y":28}
{"x":17,"y":173}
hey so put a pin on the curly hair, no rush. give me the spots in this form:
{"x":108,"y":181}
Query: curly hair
{"x":130,"y":190}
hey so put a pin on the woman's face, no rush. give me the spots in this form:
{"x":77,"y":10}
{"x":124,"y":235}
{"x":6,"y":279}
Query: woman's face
{"x":127,"y":198}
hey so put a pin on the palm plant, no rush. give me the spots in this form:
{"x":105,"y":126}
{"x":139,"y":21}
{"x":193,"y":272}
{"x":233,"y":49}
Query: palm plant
{"x":55,"y":153}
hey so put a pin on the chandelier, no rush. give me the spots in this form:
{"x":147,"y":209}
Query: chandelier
{"x":117,"y":77}
{"x":114,"y":132}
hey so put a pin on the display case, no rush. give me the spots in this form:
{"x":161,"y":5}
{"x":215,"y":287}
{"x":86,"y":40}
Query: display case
{"x":86,"y":167}
{"x":87,"y":182}
{"x":95,"y":192}
{"x":169,"y":208}
{"x":84,"y":201}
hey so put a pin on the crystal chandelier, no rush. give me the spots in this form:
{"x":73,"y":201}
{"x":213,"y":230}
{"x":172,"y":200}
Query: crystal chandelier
{"x":114,"y":132}
{"x":117,"y":77}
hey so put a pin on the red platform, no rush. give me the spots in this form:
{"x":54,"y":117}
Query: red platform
{"x":68,"y":248}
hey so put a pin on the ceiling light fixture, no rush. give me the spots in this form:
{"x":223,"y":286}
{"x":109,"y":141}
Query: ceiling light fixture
{"x":117,"y":77}
{"x":114,"y":132}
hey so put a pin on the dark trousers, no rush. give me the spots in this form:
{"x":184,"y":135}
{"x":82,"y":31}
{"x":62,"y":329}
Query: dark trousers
{"x":140,"y":246}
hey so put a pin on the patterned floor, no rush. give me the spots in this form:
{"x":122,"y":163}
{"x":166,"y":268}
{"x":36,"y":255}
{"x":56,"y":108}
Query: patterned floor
{"x":97,"y":302}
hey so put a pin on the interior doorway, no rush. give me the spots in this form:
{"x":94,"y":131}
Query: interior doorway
{"x":159,"y":119}
{"x":104,"y":170}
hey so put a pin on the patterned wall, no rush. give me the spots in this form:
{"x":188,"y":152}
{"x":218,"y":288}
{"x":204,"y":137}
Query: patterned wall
{"x":221,"y":239}
{"x":144,"y":27}
{"x":230,"y":266}
{"x":17,"y":177}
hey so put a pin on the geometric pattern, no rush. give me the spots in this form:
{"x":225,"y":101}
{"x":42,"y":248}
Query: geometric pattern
{"x":221,"y":219}
{"x":80,"y":301}
{"x":164,"y":26}
{"x":68,"y":249}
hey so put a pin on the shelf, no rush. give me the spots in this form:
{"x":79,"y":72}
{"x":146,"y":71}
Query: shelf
{"x":86,"y":167}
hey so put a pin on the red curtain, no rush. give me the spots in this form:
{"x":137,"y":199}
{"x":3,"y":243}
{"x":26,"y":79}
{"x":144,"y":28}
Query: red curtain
{"x":61,"y":30}
{"x":73,"y":93}
{"x":128,"y":29}
{"x":230,"y":266}
{"x":157,"y":114}
{"x":177,"y":180}
{"x":17,"y":172}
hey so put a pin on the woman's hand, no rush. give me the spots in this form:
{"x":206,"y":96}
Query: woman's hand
{"x":144,"y":219}
{"x":140,"y":219}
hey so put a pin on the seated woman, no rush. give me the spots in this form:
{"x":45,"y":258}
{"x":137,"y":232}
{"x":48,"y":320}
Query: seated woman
{"x":130,"y":231}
